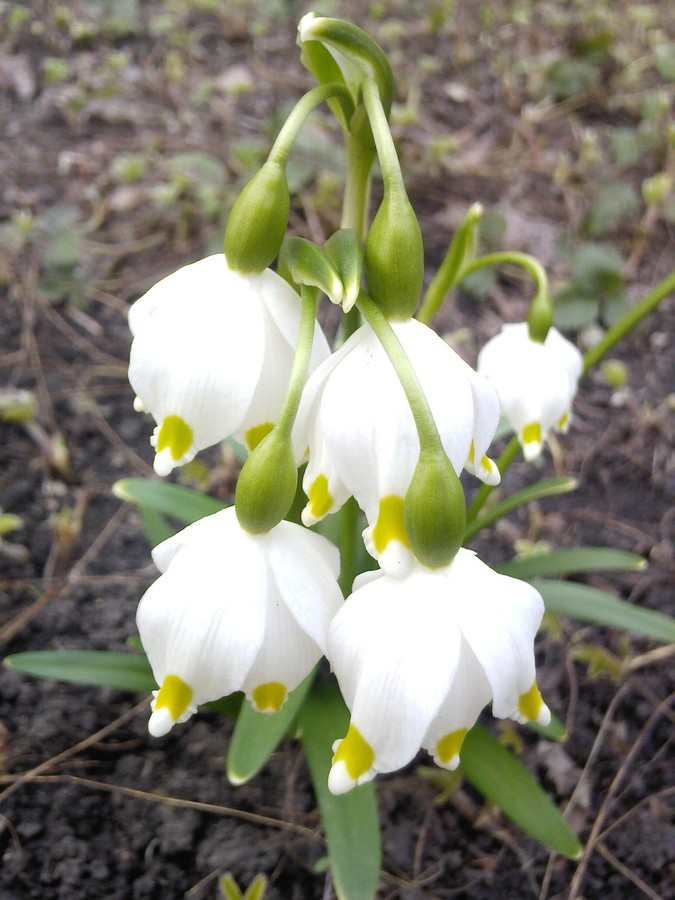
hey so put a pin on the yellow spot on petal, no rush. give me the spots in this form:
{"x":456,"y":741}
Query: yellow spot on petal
{"x":532,"y":433}
{"x":269,"y":698}
{"x":175,"y":695}
{"x":389,"y":526}
{"x":449,"y":746}
{"x":320,"y":498}
{"x":355,"y":753}
{"x":254,"y":435}
{"x":530,"y":704}
{"x":563,"y":422}
{"x":487,"y":465}
{"x":176,"y":436}
{"x":472,"y":454}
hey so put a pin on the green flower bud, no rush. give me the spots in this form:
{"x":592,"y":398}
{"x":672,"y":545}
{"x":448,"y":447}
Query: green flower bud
{"x":258,"y":220}
{"x":267,"y":484}
{"x":395,"y":257}
{"x":540,"y":317}
{"x":434,"y":511}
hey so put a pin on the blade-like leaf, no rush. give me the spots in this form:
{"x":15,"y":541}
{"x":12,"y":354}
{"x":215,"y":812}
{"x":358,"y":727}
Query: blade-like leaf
{"x":588,"y":604}
{"x":573,"y":560}
{"x":124,"y":671}
{"x":554,"y":731}
{"x":257,"y":735}
{"x":155,"y":527}
{"x":350,"y":821}
{"x":547,"y":488}
{"x":501,"y":778}
{"x":174,"y":500}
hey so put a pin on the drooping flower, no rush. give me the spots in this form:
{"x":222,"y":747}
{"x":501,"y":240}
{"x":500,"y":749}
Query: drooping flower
{"x":536,"y":382}
{"x":234,"y":611}
{"x":212,"y":355}
{"x":356,"y":420}
{"x":417,"y":659}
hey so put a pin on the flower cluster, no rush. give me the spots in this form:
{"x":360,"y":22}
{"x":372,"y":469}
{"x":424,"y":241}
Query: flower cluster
{"x":250,"y":602}
{"x":417,"y":652}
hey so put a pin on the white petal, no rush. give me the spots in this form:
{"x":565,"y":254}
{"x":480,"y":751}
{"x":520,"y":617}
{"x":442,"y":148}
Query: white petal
{"x":287,"y":654}
{"x":204,"y":618}
{"x":499,"y":617}
{"x":394,"y":647}
{"x":469,"y":693}
{"x":305,"y":567}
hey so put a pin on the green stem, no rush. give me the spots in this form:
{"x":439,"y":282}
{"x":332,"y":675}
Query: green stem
{"x":430,"y":440}
{"x":384,"y":142}
{"x":628,"y":322}
{"x":508,"y":456}
{"x":349,"y":542}
{"x":357,"y":187}
{"x":296,"y":118}
{"x":309,"y":297}
{"x":450,"y":271}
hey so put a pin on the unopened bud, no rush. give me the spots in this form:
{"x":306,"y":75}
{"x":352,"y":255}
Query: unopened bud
{"x":258,"y":220}
{"x":434,"y":512}
{"x":395,"y":258}
{"x":266,"y":485}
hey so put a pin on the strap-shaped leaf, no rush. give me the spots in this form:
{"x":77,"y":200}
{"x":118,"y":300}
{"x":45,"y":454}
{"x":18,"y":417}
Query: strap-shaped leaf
{"x":572,"y":560}
{"x":174,"y":500}
{"x":501,"y":779}
{"x":257,"y":735}
{"x":350,"y":821}
{"x":123,"y":671}
{"x":588,"y":604}
{"x":155,"y":527}
{"x":547,"y":488}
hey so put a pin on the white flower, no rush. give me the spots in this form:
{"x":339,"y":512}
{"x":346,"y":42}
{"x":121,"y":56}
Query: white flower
{"x":234,"y":611}
{"x":536,"y":382}
{"x":356,"y":420}
{"x":417,"y":658}
{"x":212,"y":355}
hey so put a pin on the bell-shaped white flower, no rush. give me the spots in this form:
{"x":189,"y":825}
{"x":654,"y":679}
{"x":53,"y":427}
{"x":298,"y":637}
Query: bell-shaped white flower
{"x":417,"y":658}
{"x":356,"y":420}
{"x":234,"y":611}
{"x":536,"y":382}
{"x":212,"y":355}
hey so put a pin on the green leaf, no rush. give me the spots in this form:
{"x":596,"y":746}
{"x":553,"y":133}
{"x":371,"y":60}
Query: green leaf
{"x":350,"y":821}
{"x":155,"y":526}
{"x":596,"y":270}
{"x":123,"y":671}
{"x":257,"y":735}
{"x":573,"y":560}
{"x":614,"y":203}
{"x":501,"y":778}
{"x":588,"y":604}
{"x":174,"y":500}
{"x":549,"y":487}
{"x":554,"y":731}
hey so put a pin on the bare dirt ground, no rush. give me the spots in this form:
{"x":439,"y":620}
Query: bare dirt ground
{"x":127,"y":130}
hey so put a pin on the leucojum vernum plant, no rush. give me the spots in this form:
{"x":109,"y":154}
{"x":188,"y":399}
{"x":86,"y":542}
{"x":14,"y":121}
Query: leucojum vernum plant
{"x":419,"y":634}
